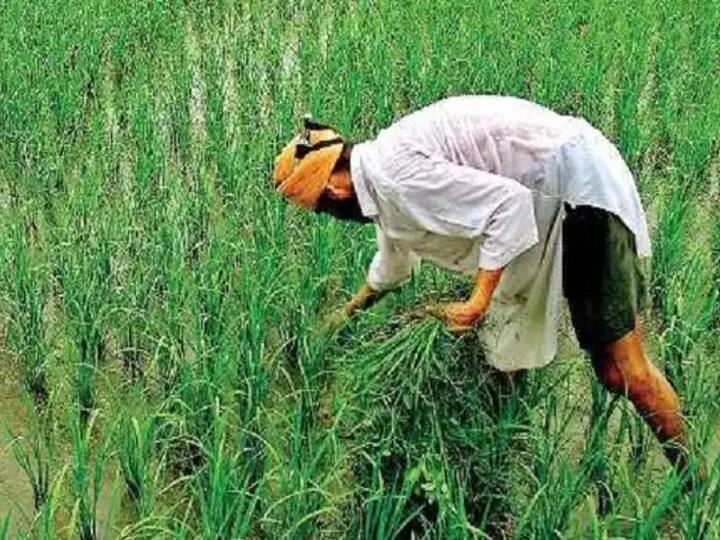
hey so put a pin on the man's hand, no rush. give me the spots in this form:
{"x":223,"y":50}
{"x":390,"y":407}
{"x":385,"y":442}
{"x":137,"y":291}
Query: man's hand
{"x":362,"y":299}
{"x":365,"y":297}
{"x":335,"y":320}
{"x":458,"y":316}
{"x":462,"y":316}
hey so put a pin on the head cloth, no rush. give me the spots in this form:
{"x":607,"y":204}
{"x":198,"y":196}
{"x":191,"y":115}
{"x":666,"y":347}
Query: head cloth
{"x":303,"y":167}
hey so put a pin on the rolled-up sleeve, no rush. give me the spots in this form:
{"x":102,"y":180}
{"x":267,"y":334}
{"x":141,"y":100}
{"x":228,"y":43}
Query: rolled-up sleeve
{"x":510,"y":231}
{"x":391,"y":265}
{"x":458,"y":201}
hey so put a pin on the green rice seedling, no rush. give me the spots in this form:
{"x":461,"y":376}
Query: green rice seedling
{"x":149,"y":163}
{"x":133,"y":350}
{"x":132,"y":305}
{"x":190,"y":414}
{"x":46,"y":521}
{"x":687,"y":301}
{"x":87,"y":476}
{"x":85,"y":503}
{"x":26,"y":288}
{"x":221,"y":160}
{"x":44,"y":524}
{"x":5,"y":527}
{"x":255,"y":307}
{"x":83,"y":382}
{"x":167,"y":314}
{"x":436,"y":517}
{"x":454,"y":518}
{"x":212,"y":367}
{"x":421,"y":390}
{"x":651,"y":524}
{"x":410,"y":350}
{"x":701,"y":507}
{"x":667,"y":260}
{"x":386,"y":508}
{"x":35,"y":463}
{"x":715,"y":257}
{"x":212,"y":332}
{"x":596,"y":450}
{"x":84,"y":274}
{"x":669,"y":246}
{"x":556,"y":483}
{"x":226,"y":489}
{"x":297,"y":500}
{"x":639,"y":437}
{"x":314,"y":259}
{"x":390,"y":381}
{"x":137,"y":444}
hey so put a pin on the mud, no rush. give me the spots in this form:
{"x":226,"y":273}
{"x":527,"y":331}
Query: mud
{"x":15,"y":491}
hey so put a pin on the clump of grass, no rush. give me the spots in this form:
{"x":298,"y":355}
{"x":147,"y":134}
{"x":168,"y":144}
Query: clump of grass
{"x":297,"y":500}
{"x":701,"y":509}
{"x":87,"y":475}
{"x":422,"y":396}
{"x":385,"y":507}
{"x":137,"y":444}
{"x":226,"y":489}
{"x":33,"y":458}
{"x":84,"y":275}
{"x":26,"y":292}
{"x":5,"y":527}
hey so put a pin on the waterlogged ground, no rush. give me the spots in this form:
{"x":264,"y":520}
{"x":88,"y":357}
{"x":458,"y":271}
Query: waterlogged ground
{"x":15,"y":492}
{"x":163,"y":369}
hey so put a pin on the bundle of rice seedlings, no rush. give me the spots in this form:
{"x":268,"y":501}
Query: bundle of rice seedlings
{"x":424,"y":411}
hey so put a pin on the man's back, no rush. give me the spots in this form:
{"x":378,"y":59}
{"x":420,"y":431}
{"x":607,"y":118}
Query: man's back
{"x":502,"y":135}
{"x":518,"y":141}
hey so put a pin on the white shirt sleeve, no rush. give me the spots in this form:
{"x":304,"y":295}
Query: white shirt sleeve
{"x":510,"y":231}
{"x":391,"y":265}
{"x":458,"y":201}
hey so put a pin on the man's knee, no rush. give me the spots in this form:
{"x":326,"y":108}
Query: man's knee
{"x":609,"y":373}
{"x":623,"y":371}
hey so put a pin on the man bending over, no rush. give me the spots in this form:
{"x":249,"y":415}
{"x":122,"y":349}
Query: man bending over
{"x":530,"y":203}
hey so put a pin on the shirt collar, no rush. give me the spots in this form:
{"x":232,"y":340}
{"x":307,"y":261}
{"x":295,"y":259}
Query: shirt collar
{"x":361,"y":184}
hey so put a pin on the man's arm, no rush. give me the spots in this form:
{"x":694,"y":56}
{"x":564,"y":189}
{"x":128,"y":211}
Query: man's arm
{"x":364,"y":298}
{"x":463,"y":315}
{"x":391,"y":266}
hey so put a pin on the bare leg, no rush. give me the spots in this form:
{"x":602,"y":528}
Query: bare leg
{"x":624,"y":368}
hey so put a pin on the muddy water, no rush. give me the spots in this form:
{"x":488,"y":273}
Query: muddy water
{"x":15,"y":490}
{"x":16,"y":496}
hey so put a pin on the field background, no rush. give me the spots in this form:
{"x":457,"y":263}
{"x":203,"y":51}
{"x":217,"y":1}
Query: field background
{"x":163,"y":372}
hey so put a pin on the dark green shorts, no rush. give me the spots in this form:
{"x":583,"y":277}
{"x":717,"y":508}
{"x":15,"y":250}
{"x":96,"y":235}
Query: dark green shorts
{"x":602,"y":276}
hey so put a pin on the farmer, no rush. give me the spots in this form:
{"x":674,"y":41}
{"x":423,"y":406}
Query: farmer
{"x":532,"y":204}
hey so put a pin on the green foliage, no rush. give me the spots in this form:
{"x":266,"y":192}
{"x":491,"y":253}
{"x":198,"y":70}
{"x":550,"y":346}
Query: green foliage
{"x":26,"y":292}
{"x":5,"y":527}
{"x":87,"y":478}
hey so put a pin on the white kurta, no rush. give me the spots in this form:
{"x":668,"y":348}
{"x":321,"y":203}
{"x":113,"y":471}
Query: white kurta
{"x":479,"y":182}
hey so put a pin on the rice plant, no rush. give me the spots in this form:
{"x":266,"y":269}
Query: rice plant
{"x":87,"y":477}
{"x":33,"y":457}
{"x":136,"y":448}
{"x":5,"y":527}
{"x":27,"y":291}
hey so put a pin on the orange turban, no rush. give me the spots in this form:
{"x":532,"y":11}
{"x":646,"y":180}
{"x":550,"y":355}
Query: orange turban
{"x":303,"y":167}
